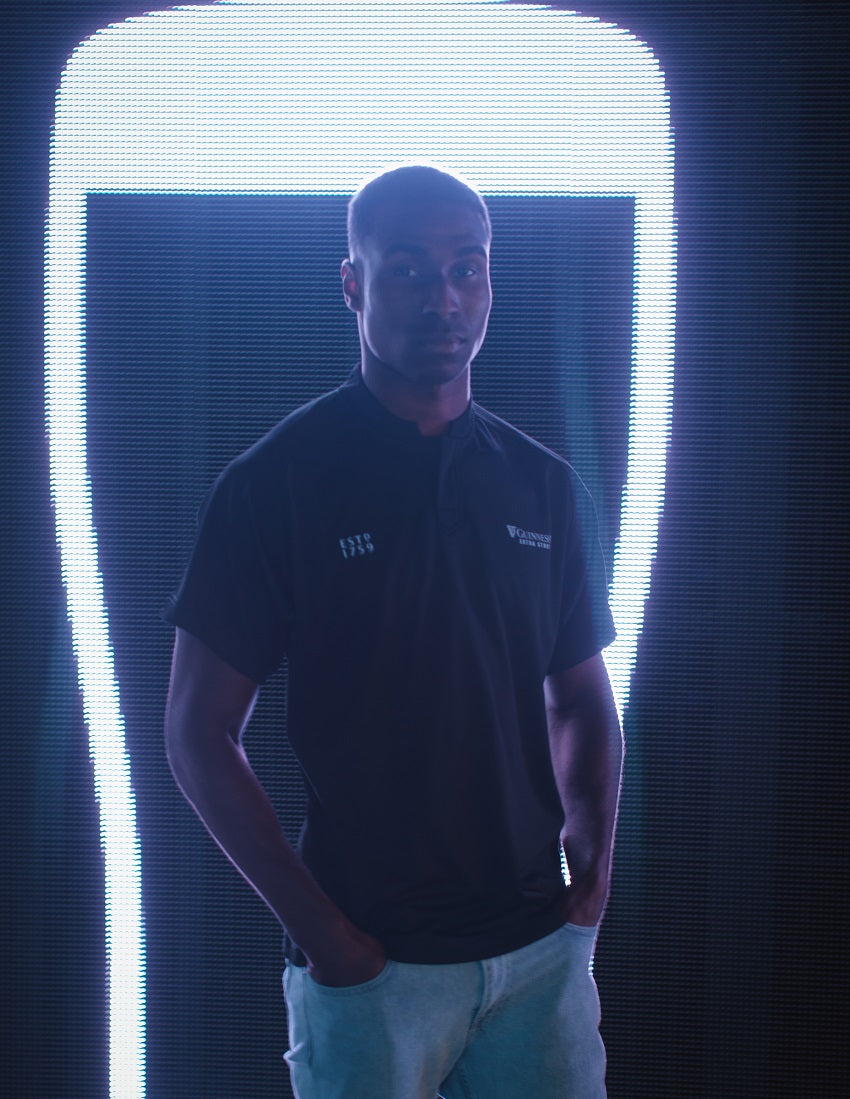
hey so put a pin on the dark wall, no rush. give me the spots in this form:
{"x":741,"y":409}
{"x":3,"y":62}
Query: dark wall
{"x":720,"y":962}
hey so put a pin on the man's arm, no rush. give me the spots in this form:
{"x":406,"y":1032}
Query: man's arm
{"x":586,"y":745}
{"x":209,"y":704}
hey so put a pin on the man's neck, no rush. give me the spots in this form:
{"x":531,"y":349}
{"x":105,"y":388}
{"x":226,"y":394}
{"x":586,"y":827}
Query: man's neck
{"x":431,"y":407}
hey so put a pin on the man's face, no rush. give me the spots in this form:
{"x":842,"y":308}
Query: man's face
{"x":421,"y":288}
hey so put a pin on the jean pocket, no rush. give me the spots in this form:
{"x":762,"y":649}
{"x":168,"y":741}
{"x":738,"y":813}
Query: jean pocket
{"x":341,"y":991}
{"x":590,"y":932}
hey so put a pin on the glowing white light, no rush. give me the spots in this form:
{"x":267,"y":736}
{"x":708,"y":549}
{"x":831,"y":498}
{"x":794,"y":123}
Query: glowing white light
{"x":294,"y":97}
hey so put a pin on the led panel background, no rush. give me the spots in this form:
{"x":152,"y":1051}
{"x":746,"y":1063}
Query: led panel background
{"x":721,"y":963}
{"x":252,"y":97}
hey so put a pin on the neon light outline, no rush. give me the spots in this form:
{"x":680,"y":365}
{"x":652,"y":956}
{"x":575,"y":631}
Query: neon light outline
{"x":280,"y":97}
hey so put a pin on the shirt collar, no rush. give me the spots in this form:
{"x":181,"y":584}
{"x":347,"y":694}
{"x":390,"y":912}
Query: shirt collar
{"x":367,"y":403}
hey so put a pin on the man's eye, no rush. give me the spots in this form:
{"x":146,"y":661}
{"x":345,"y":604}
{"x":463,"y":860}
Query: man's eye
{"x":405,"y":271}
{"x":466,"y":271}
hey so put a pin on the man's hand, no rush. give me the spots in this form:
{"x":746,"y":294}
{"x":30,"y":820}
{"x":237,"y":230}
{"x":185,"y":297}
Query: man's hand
{"x":585,"y":902}
{"x":351,"y":959}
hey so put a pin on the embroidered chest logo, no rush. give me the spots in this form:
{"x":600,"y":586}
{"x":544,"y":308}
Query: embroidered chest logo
{"x":530,"y":537}
{"x":356,"y":545}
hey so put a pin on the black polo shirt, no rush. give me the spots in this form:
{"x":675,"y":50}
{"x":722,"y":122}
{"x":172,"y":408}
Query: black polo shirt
{"x":421,"y":589}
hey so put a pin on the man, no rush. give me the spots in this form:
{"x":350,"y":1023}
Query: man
{"x":420,"y":565}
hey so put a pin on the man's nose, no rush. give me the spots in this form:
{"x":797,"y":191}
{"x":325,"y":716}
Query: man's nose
{"x":440,"y":297}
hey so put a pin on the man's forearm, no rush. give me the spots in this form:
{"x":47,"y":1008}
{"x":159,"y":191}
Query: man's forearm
{"x":223,"y":789}
{"x":209,"y":704}
{"x":587,"y":756}
{"x":220,"y":784}
{"x":590,"y":815}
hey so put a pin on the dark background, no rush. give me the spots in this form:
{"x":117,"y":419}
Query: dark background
{"x":722,"y":962}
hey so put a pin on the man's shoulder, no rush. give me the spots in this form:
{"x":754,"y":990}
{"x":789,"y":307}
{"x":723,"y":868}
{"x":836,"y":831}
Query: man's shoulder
{"x":504,"y":436}
{"x":306,"y":430}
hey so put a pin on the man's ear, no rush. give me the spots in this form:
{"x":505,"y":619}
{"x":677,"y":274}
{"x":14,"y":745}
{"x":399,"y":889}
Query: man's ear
{"x":351,"y":285}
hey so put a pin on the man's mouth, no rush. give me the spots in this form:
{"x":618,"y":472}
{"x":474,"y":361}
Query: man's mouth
{"x":443,"y":341}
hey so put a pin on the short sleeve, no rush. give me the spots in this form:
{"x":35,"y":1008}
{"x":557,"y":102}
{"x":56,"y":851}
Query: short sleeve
{"x":585,"y":625}
{"x":233,"y":595}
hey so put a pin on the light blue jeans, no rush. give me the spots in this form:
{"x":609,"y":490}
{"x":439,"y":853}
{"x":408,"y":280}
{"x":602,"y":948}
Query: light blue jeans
{"x":524,"y":1025}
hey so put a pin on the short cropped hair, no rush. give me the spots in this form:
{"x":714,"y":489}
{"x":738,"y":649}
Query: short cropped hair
{"x":415,"y":183}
